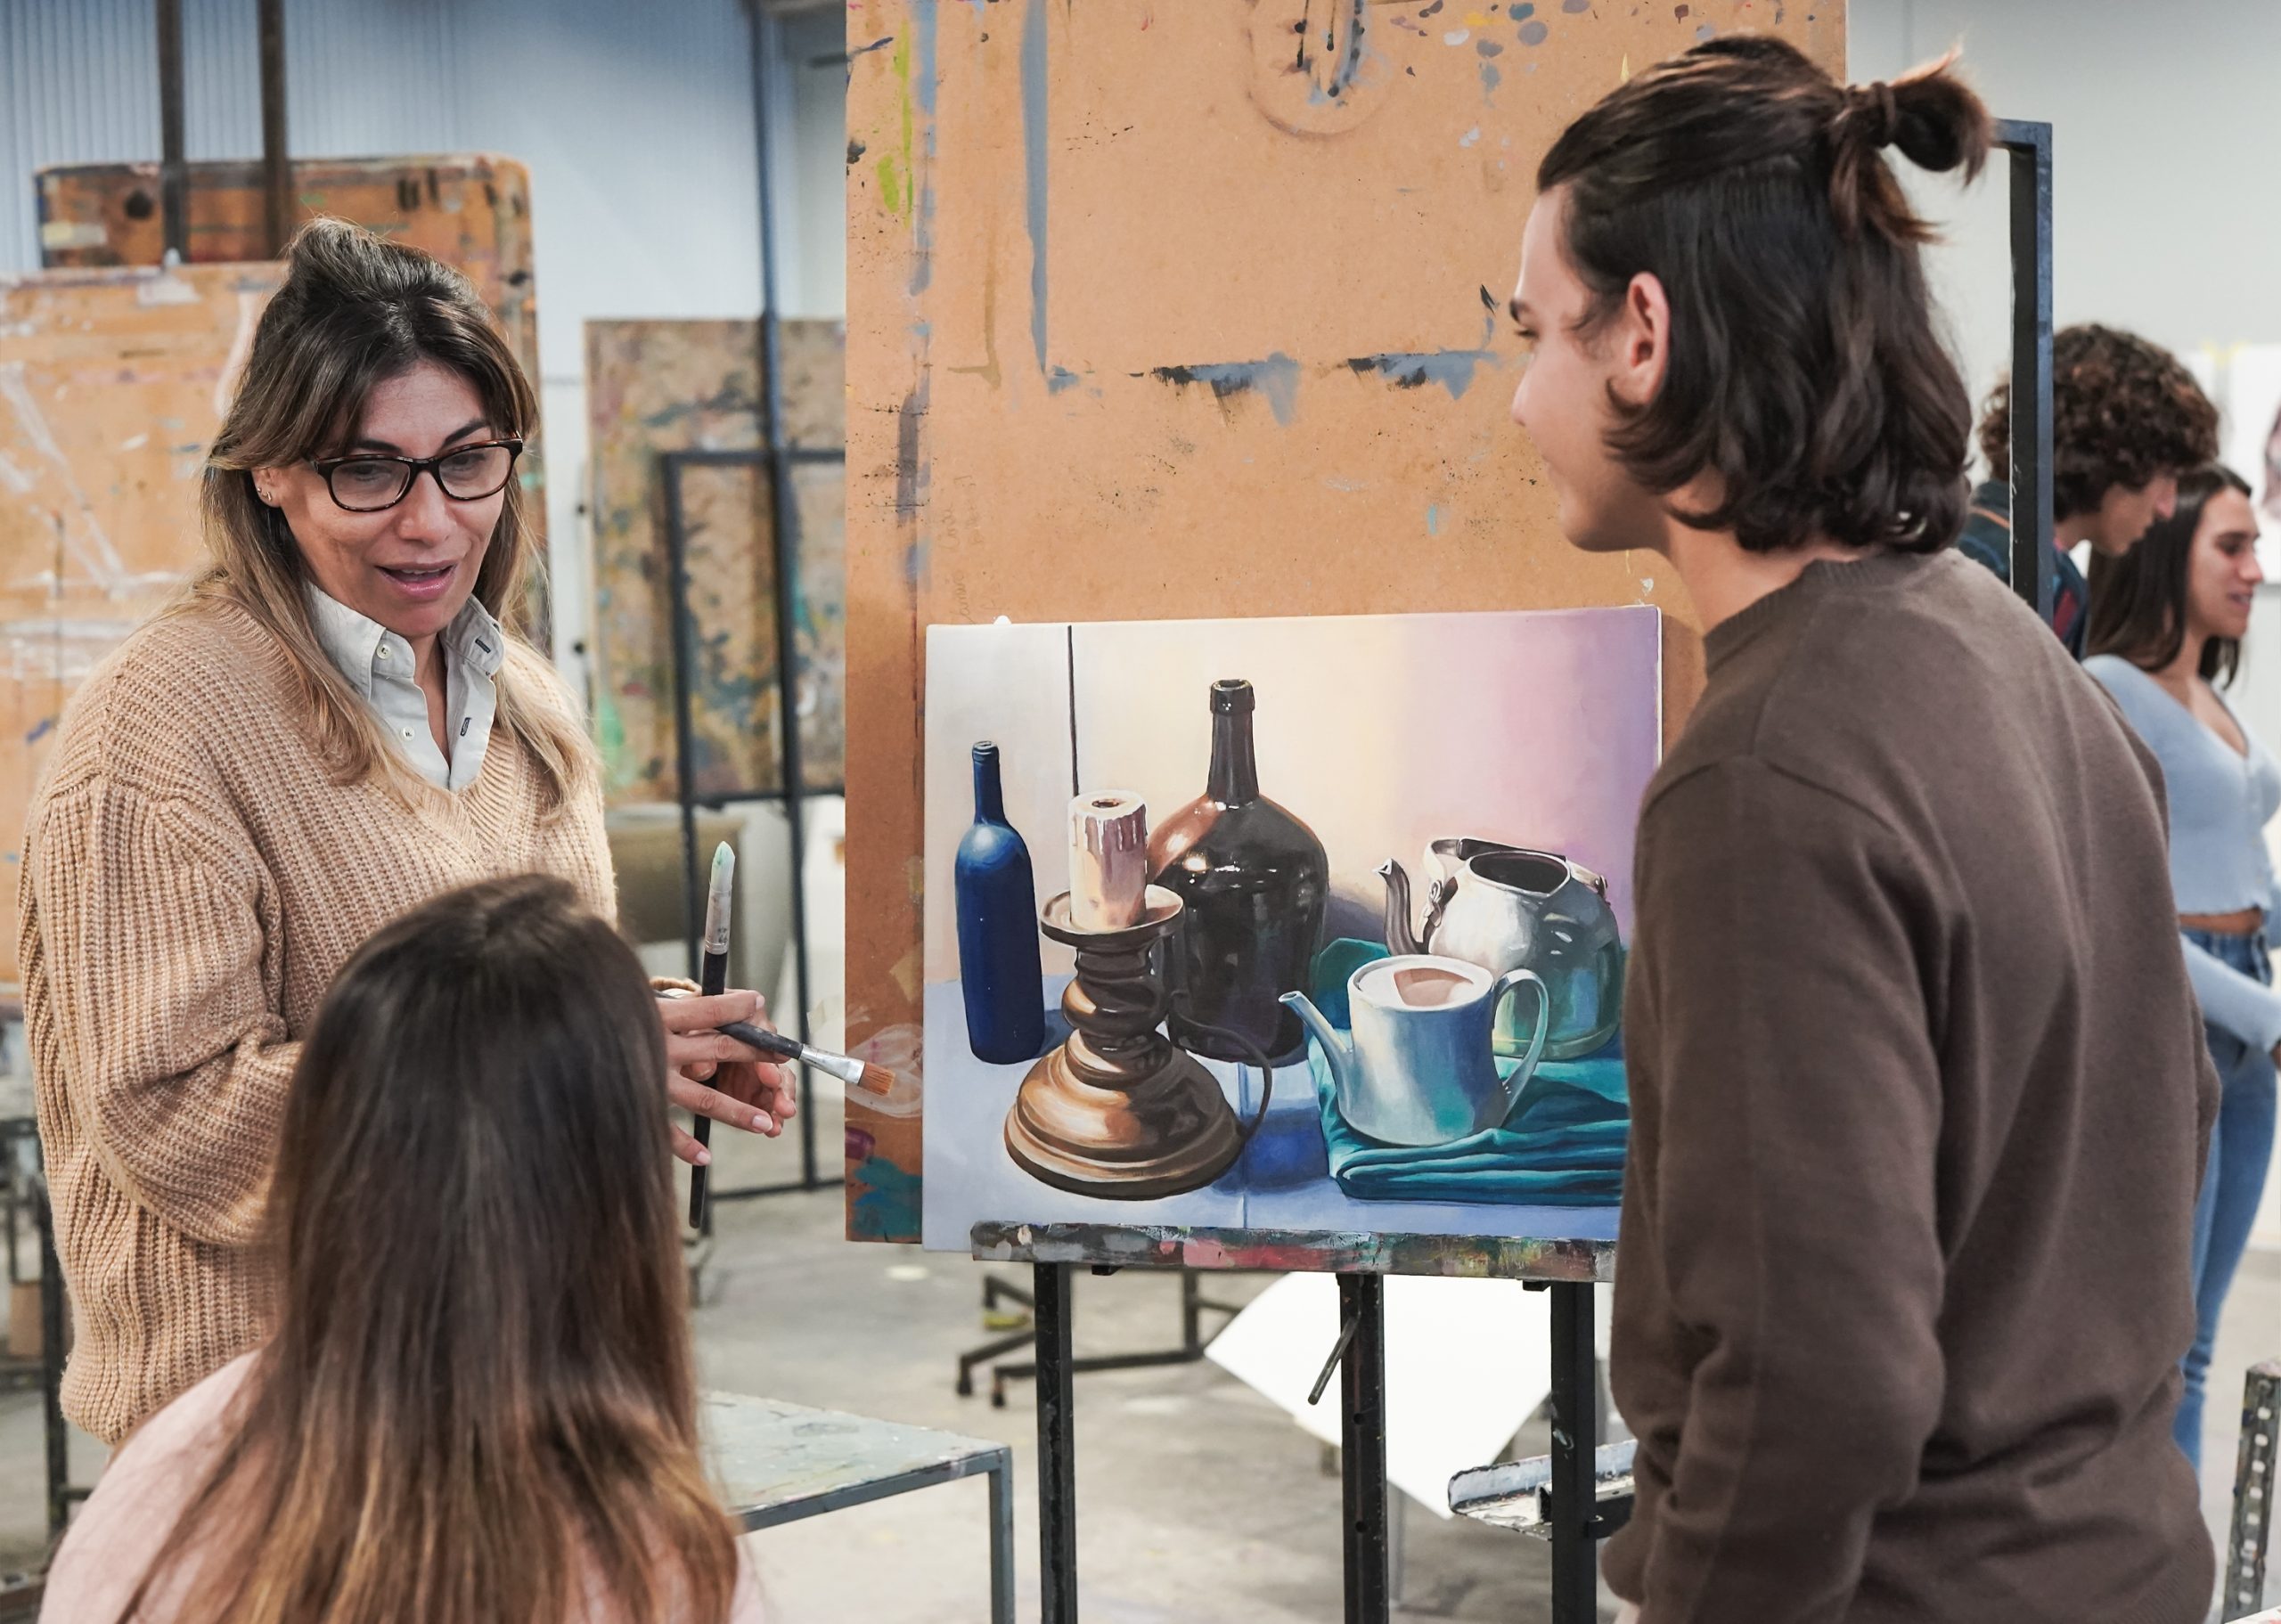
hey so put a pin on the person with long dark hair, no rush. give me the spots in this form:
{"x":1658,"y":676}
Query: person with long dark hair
{"x":479,"y":1405}
{"x":338,"y":719}
{"x":2167,"y":621}
{"x":1903,"y":1279}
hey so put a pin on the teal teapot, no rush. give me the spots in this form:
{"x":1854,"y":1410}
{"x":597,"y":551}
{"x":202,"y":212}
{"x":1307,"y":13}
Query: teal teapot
{"x":1507,"y":908}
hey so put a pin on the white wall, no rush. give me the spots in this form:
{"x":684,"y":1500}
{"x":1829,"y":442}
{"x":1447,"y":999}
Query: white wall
{"x":2165,"y":124}
{"x":636,"y":121}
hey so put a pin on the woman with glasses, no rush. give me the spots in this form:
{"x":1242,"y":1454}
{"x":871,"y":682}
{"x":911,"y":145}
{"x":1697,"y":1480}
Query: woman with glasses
{"x":336,"y":723}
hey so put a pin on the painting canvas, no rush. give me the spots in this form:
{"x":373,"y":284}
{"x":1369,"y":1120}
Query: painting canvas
{"x":1313,"y":923}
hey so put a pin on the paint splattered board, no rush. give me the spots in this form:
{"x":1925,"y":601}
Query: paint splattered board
{"x":1165,"y":310}
{"x":470,"y":210}
{"x":653,"y":387}
{"x":111,"y":384}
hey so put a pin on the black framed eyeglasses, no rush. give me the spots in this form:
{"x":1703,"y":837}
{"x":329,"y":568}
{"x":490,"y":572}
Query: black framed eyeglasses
{"x":368,"y":483}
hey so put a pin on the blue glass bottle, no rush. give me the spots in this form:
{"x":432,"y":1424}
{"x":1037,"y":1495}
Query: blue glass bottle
{"x":997,"y":911}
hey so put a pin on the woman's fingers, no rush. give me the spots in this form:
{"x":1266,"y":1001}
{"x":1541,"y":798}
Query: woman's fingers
{"x":754,"y":1094}
{"x":721,"y":1107}
{"x":767,"y":1087}
{"x":681,"y":1014}
{"x":687,"y":1149}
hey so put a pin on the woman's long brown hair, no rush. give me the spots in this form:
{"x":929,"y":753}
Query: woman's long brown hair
{"x":480,"y":1406}
{"x":2138,"y":600}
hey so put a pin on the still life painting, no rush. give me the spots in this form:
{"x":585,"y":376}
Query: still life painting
{"x":1311,"y":923}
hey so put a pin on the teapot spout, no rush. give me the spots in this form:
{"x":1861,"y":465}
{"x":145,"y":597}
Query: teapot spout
{"x":1399,"y":938}
{"x":1336,"y":1049}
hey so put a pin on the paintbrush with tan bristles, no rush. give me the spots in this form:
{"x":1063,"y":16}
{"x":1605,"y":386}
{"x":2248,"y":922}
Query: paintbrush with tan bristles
{"x":872,"y":1079}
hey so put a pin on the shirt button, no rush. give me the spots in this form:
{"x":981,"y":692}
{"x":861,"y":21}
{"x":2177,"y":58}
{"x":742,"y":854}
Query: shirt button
{"x":384,"y":653}
{"x":407,"y":732}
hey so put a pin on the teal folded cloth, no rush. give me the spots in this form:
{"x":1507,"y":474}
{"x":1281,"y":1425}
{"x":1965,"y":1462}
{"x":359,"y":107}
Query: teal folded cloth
{"x":1561,"y":1146}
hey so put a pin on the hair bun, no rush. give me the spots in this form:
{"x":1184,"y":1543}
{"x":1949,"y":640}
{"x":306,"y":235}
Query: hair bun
{"x":1871,"y":115}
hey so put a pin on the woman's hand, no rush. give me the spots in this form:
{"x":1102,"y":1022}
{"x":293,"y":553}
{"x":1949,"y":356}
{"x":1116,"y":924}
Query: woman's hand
{"x":717,"y":1076}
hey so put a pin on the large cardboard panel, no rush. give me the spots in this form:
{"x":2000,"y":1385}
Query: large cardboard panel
{"x":1163,"y":311}
{"x":111,"y":385}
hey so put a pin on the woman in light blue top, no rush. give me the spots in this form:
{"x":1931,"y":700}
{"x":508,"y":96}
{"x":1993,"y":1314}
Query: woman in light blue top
{"x":2167,"y":621}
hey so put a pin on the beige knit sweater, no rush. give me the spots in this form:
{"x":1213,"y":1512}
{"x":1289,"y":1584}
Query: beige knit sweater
{"x":192,"y":878}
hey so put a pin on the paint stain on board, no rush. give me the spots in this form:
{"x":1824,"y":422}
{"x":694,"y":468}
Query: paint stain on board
{"x":1452,"y":368}
{"x":856,"y":150}
{"x":1034,"y":167}
{"x":1533,"y":32}
{"x":1277,"y":379}
{"x":910,"y":467}
{"x":887,"y":1201}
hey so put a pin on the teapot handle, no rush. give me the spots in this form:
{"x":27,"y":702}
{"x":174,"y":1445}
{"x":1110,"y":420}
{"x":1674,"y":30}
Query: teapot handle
{"x":1511,"y":982}
{"x":1237,"y":1040}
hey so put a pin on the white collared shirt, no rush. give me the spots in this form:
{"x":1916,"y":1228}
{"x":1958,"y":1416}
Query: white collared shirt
{"x":377,"y":664}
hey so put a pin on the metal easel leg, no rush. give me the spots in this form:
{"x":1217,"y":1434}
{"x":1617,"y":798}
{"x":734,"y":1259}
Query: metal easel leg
{"x":1575,"y":1575}
{"x":2254,"y":1485}
{"x":60,"y":1493}
{"x":1056,"y":1447}
{"x":1362,"y":1450}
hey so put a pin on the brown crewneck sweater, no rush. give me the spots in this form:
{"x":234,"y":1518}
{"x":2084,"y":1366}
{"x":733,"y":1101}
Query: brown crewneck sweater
{"x":1919,"y":1099}
{"x":192,"y":878}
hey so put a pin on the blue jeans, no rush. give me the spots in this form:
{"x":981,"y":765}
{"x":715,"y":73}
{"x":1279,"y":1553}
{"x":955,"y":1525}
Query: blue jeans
{"x":2240,"y":1147}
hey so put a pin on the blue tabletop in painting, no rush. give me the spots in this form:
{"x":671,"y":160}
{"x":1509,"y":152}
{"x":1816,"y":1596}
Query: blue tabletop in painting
{"x":1552,"y":1169}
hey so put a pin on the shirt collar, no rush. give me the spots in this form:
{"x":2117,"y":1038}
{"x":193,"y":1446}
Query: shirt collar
{"x":477,"y":637}
{"x":353,"y":641}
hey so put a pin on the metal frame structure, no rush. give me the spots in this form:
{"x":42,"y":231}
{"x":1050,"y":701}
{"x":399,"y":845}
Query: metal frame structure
{"x":1575,"y":1520}
{"x":2028,"y":146}
{"x":997,"y":1464}
{"x":997,"y":1289}
{"x":778,"y":461}
{"x":173,"y":164}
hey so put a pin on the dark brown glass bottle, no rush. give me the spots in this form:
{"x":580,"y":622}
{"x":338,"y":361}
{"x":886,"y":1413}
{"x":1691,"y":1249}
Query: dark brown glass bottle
{"x":1256,"y":881}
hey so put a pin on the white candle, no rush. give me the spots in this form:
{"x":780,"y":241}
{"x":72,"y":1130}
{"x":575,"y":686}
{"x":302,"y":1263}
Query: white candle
{"x":1108,"y":859}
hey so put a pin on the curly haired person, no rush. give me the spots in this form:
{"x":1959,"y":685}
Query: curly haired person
{"x":2127,"y":419}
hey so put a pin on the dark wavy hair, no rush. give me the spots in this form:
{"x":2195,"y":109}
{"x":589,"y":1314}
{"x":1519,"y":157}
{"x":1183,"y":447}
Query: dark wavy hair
{"x":2122,"y":412}
{"x":1805,"y":369}
{"x":2138,"y":600}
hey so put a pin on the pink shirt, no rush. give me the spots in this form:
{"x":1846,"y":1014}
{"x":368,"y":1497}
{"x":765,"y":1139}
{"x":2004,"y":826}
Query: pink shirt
{"x":143,"y":1491}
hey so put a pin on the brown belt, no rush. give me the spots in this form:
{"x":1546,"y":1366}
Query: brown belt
{"x":2247,"y":922}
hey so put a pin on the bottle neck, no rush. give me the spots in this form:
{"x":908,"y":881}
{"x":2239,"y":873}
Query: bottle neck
{"x":1235,"y":770}
{"x":989,"y":799}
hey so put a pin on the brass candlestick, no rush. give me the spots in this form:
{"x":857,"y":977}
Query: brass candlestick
{"x":1118,"y":1111}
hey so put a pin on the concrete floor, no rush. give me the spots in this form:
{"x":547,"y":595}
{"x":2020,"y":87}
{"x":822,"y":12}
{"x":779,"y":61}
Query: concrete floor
{"x":1198,"y":1502}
